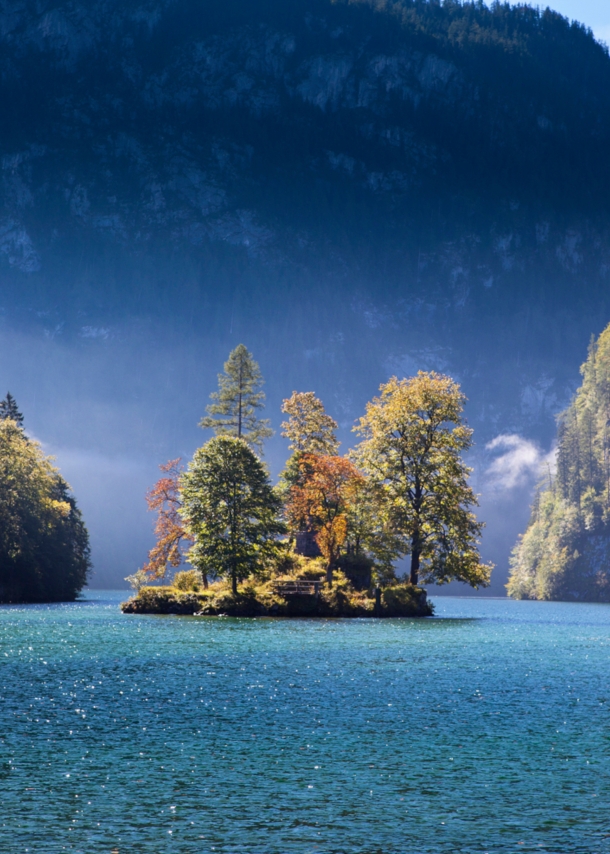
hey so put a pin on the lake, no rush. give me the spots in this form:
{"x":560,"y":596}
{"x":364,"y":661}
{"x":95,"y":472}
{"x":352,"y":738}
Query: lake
{"x":483,"y":729}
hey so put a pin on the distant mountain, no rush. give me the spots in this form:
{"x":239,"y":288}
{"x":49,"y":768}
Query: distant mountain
{"x":351,"y":188}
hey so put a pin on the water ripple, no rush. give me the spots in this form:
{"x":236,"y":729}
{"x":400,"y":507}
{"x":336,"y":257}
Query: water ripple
{"x":485,"y":729}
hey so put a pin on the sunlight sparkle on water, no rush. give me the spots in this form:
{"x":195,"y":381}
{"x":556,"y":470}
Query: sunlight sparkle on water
{"x":482,"y":730}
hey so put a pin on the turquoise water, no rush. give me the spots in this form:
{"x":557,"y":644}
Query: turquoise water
{"x":485,"y":729}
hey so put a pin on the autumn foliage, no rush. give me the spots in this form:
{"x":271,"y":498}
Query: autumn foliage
{"x":319,"y":501}
{"x":308,"y":428}
{"x":403,"y":490}
{"x":172,"y":538}
{"x":413,"y":439}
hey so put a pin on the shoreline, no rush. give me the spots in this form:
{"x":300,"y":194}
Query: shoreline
{"x":397,"y":601}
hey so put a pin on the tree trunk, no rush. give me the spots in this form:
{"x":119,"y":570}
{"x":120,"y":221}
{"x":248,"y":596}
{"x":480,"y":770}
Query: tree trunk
{"x":416,"y":543}
{"x":329,"y":575}
{"x":241,"y":368}
{"x":234,"y":581}
{"x":415,"y":552}
{"x":377,"y":611}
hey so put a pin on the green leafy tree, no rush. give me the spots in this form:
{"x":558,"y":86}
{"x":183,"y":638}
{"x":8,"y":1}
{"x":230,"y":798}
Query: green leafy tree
{"x":545,"y":558}
{"x":230,"y":510}
{"x":44,"y":545}
{"x":413,"y":438}
{"x":308,"y":428}
{"x":10,"y":411}
{"x":237,"y":401}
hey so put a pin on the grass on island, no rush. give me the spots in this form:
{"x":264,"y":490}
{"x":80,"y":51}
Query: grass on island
{"x":262,"y":597}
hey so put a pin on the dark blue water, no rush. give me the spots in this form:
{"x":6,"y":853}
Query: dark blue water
{"x":486,"y":729}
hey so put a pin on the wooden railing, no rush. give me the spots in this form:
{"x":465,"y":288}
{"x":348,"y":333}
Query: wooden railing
{"x":300,"y":587}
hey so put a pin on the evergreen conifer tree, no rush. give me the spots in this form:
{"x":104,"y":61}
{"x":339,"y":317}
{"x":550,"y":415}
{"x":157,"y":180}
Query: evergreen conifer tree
{"x":10,"y":411}
{"x":230,"y":511}
{"x":237,"y":401}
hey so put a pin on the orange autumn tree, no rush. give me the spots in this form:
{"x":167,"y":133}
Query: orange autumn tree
{"x":172,"y":539}
{"x":319,"y":500}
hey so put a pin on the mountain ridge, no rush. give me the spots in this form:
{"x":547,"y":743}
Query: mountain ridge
{"x":354,"y":189}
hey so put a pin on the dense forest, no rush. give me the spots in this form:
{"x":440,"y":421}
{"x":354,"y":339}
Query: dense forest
{"x":457,"y":146}
{"x":44,"y":544}
{"x":565,"y":552}
{"x":358,"y":189}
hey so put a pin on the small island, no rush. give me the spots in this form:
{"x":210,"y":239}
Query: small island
{"x":324,"y":541}
{"x":303,"y":593}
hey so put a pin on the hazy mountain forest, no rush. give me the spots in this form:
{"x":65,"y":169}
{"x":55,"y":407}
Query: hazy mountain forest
{"x":356,"y":189}
{"x":564,"y":554}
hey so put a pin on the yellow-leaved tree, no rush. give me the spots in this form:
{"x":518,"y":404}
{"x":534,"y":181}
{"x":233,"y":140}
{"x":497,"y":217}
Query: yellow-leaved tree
{"x":44,"y":544}
{"x":308,"y":428}
{"x":413,"y":438}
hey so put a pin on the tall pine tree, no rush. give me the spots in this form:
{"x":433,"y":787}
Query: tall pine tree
{"x":237,"y":401}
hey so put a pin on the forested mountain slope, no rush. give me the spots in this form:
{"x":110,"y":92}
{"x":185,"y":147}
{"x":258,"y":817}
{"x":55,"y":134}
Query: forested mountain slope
{"x":352,"y":188}
{"x":565,"y":552}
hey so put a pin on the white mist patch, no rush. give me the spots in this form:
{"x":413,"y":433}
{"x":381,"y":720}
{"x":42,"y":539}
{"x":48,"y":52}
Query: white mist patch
{"x":518,"y":463}
{"x":505,"y":473}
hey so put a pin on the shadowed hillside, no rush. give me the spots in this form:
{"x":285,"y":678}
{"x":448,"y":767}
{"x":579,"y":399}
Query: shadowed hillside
{"x":353,"y":189}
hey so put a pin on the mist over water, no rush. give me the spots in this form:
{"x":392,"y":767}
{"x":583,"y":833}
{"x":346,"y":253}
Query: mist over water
{"x":111,"y":407}
{"x":112,"y":402}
